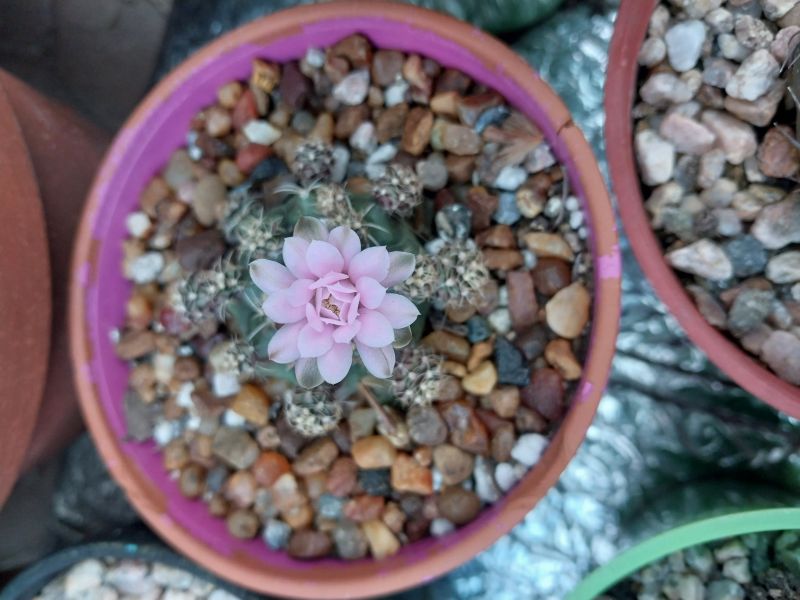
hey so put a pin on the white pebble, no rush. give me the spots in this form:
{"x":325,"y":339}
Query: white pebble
{"x":138,"y":224}
{"x":502,"y":295}
{"x":396,"y":93}
{"x":222,"y":595}
{"x":233,"y":419}
{"x":163,"y":367}
{"x":528,"y":448}
{"x":341,"y":158}
{"x":172,"y":577}
{"x":485,"y":486}
{"x":353,"y":89}
{"x":382,"y":154}
{"x":225,"y":384}
{"x":84,"y":576}
{"x":146,"y":268}
{"x":164,"y":432}
{"x":364,"y":138}
{"x":500,"y":321}
{"x":656,"y":157}
{"x":184,"y":396}
{"x":572,"y":203}
{"x":315,"y":58}
{"x":261,"y":132}
{"x":685,"y":44}
{"x":576,"y":219}
{"x":510,"y":178}
{"x":754,"y":77}
{"x":530,"y":258}
{"x":506,"y":476}
{"x":130,"y":577}
{"x":440,"y":527}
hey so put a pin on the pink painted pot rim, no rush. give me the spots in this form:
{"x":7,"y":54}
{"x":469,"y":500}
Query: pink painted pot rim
{"x":98,"y":291}
{"x":741,"y":367}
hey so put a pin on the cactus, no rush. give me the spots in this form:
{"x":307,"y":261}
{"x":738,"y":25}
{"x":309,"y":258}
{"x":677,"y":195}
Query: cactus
{"x":418,"y":376}
{"x":313,"y":412}
{"x":451,"y":277}
{"x":312,"y":162}
{"x":249,"y":226}
{"x":398,"y":190}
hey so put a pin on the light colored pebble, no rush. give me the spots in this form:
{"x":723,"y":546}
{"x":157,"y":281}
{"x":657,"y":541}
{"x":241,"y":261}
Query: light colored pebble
{"x":754,"y":76}
{"x":261,"y":132}
{"x":656,"y":157}
{"x":82,"y":577}
{"x":685,"y":43}
{"x":528,"y":448}
{"x":146,"y":268}
{"x":441,"y":527}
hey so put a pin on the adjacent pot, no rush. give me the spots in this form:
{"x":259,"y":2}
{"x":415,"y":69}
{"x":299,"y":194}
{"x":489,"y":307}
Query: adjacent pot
{"x":99,"y":291}
{"x":48,"y":157}
{"x":730,"y":509}
{"x":620,"y":92}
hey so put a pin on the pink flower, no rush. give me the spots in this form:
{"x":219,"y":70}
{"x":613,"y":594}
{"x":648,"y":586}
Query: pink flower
{"x":330,"y":296}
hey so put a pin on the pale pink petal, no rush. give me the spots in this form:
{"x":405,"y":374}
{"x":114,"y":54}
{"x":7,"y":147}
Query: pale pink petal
{"x":376,"y":330}
{"x":307,"y":372}
{"x":310,"y":228}
{"x":300,"y":292}
{"x":335,"y":364}
{"x":270,"y":276}
{"x":352,"y":311}
{"x":282,"y":347}
{"x":371,"y":291}
{"x":278,"y":308}
{"x":330,"y":279}
{"x":313,"y":317}
{"x":312,"y":343}
{"x":346,"y":241}
{"x":400,"y":311}
{"x":372,"y":262}
{"x":323,"y":258}
{"x":378,"y":361}
{"x":345,"y":333}
{"x":294,"y":256}
{"x":401,"y":266}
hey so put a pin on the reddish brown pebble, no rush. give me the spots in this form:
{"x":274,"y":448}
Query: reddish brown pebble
{"x":356,"y":49}
{"x":503,"y":439}
{"x":306,"y":544}
{"x":317,"y":457}
{"x":777,"y":157}
{"x":245,"y":110}
{"x":294,"y":86}
{"x":505,"y":400}
{"x":466,"y":429}
{"x":453,"y":80}
{"x":460,"y":140}
{"x":240,"y":489}
{"x":417,"y":130}
{"x":460,"y":168}
{"x":252,"y":403}
{"x":449,"y":345}
{"x":299,"y":517}
{"x":342,"y":477}
{"x":386,"y":66}
{"x":135,"y":344}
{"x":454,"y":464}
{"x":528,"y":420}
{"x":521,"y":299}
{"x":470,"y":107}
{"x":560,"y":356}
{"x":551,"y":275}
{"x":410,"y":476}
{"x":393,"y":517}
{"x":483,"y":205}
{"x":176,"y":455}
{"x":416,"y":528}
{"x":364,"y":508}
{"x":243,"y":524}
{"x":374,"y":452}
{"x":349,"y":119}
{"x":502,"y":260}
{"x":250,"y":155}
{"x":458,"y":505}
{"x":269,"y":467}
{"x":497,"y":236}
{"x":186,"y":368}
{"x":316,"y":484}
{"x":389,"y":124}
{"x":545,"y":393}
{"x":192,"y":480}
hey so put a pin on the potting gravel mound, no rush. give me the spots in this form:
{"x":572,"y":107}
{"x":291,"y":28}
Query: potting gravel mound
{"x":503,"y":279}
{"x":110,"y":578}
{"x":716,"y":140}
{"x":759,"y":566}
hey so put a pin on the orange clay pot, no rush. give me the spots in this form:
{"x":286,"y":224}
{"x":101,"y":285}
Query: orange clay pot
{"x":98,"y":290}
{"x":629,"y":34}
{"x":53,"y":153}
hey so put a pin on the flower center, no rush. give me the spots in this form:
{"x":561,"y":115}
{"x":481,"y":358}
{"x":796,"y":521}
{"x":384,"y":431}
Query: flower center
{"x":336,"y":300}
{"x":331,"y":306}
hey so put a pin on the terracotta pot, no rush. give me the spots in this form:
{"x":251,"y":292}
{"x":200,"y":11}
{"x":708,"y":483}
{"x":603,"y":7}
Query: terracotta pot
{"x":98,"y":291}
{"x":64,"y":151}
{"x":24,"y":298}
{"x":620,"y":92}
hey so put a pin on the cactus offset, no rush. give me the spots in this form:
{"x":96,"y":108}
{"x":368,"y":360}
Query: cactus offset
{"x":254,"y":231}
{"x":313,"y":412}
{"x":398,"y":190}
{"x":418,"y":377}
{"x":312,"y":162}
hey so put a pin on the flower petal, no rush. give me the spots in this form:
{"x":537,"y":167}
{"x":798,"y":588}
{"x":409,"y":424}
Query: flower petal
{"x":401,"y":266}
{"x":372,"y":262}
{"x":400,"y":311}
{"x":346,"y":241}
{"x":335,"y":364}
{"x":270,"y":276}
{"x":310,"y":229}
{"x":378,"y":361}
{"x":376,"y":330}
{"x":307,"y":372}
{"x":300,"y":292}
{"x":371,"y":291}
{"x":345,"y":333}
{"x":282,"y":347}
{"x":278,"y":308}
{"x":323,"y":258}
{"x":313,"y":318}
{"x":294,"y":256}
{"x":312,"y":342}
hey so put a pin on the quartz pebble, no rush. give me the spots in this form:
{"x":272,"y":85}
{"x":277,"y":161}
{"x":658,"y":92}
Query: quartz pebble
{"x":685,"y":43}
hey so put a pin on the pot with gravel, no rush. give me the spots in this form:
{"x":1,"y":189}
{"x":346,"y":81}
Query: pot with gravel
{"x":702,"y":148}
{"x":344,"y":298}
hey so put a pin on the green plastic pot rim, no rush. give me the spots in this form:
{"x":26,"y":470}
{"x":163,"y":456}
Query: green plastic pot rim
{"x":680,"y":538}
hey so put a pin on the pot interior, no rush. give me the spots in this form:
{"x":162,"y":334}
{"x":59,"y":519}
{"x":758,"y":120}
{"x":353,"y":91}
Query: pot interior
{"x":141,"y":150}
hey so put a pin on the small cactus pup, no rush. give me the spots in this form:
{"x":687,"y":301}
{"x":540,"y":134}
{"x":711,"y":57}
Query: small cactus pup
{"x":331,"y":297}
